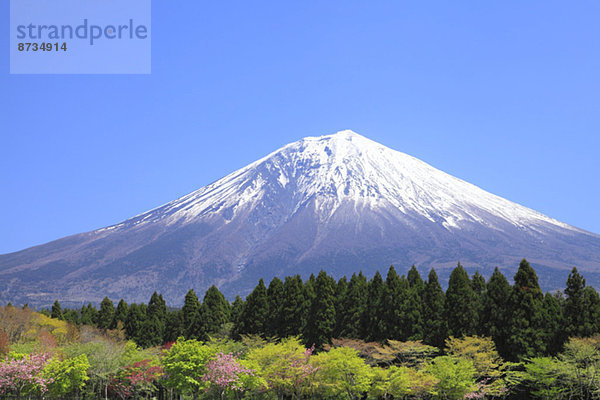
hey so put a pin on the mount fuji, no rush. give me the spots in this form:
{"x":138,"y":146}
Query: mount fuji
{"x":339,"y":202}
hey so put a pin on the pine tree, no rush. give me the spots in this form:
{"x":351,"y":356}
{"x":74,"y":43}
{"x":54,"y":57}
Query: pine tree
{"x":57,"y":311}
{"x":553,"y":323}
{"x":89,"y":315}
{"x":173,"y":326}
{"x":274,"y":323}
{"x":592,"y":312}
{"x":216,"y":309}
{"x":495,"y":313}
{"x":394,"y":295}
{"x":321,"y":318}
{"x":294,"y":306}
{"x":461,"y":304}
{"x":236,"y":310}
{"x":153,"y":328}
{"x":415,"y":304}
{"x":435,"y":329}
{"x":526,"y":322}
{"x":106,"y":314}
{"x":575,"y":314}
{"x":135,"y":322}
{"x":479,"y":287}
{"x":120,"y":314}
{"x":372,"y":325}
{"x":353,"y":306}
{"x":193,"y":320}
{"x":341,"y":290}
{"x":256,"y":308}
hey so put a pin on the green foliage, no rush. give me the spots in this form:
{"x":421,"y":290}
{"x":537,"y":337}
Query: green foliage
{"x":373,"y":326}
{"x":185,"y":364}
{"x":217,"y":310}
{"x":353,"y":305}
{"x":106,"y":314}
{"x":494,"y":316}
{"x":543,"y":375}
{"x":274,"y":324}
{"x":321,"y":318}
{"x":57,"y":311}
{"x":193,"y":318}
{"x":461,"y":305}
{"x":120,"y":314}
{"x":255,"y":312}
{"x":434,"y":322}
{"x":294,"y":306}
{"x":456,"y":377}
{"x":68,"y":376}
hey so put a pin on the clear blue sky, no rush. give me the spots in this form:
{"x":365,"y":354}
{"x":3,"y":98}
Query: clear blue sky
{"x":503,"y":94}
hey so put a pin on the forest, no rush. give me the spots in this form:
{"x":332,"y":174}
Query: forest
{"x":401,"y":337}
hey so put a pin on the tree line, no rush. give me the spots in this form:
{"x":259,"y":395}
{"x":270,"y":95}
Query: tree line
{"x":522,"y":321}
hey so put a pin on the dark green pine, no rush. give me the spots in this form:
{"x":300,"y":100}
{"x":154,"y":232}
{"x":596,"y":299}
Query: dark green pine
{"x":135,"y":321}
{"x":526,"y":336}
{"x":89,"y":315}
{"x":415,"y":304}
{"x":153,"y":328}
{"x":341,"y":291}
{"x":106,"y":314}
{"x":120,"y":314}
{"x":174,"y":327}
{"x":255,"y":312}
{"x":217,"y":309}
{"x":57,"y":311}
{"x":394,"y":294}
{"x":575,"y":315}
{"x":553,"y":323}
{"x":461,"y":304}
{"x":321,"y":317}
{"x":274,"y":323}
{"x":294,"y":306}
{"x":193,"y":320}
{"x":495,"y":313}
{"x":479,"y":287}
{"x":435,"y":329}
{"x":372,"y":324}
{"x":592,"y":312}
{"x":352,"y":307}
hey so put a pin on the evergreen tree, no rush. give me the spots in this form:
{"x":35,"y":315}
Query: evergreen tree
{"x":435,"y":330}
{"x":106,"y":314}
{"x":575,"y":307}
{"x":57,"y":311}
{"x":274,"y":323}
{"x":236,"y":310}
{"x":494,"y":315}
{"x":352,"y":307}
{"x":153,"y":328}
{"x":120,"y":314}
{"x":135,"y":322}
{"x":294,"y":306}
{"x":71,"y":316}
{"x":216,"y":309}
{"x":592,"y":312}
{"x":479,"y":287}
{"x":461,"y":304}
{"x":89,"y":315}
{"x":373,"y":326}
{"x":553,"y":323}
{"x":173,"y":326}
{"x":414,"y":279}
{"x":526,"y":323}
{"x":341,"y":291}
{"x":256,"y":308}
{"x":321,"y":318}
{"x":415,"y":304}
{"x":193,"y":320}
{"x":394,"y":295}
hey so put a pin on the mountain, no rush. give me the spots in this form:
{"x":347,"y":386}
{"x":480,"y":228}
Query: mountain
{"x":340,"y":202}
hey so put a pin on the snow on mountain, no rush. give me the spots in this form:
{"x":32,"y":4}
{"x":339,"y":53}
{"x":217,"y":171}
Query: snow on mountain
{"x":340,"y":202}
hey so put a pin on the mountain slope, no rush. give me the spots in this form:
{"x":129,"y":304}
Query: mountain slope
{"x":340,"y":202}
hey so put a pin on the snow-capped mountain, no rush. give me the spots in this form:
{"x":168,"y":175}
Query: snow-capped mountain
{"x":340,"y":202}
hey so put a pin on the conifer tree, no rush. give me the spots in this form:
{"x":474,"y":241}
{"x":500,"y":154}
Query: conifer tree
{"x":395,"y":294}
{"x":353,"y":306}
{"x":135,"y":322}
{"x":256,"y":309}
{"x":553,"y":323}
{"x":526,"y":323}
{"x":494,"y":315}
{"x":89,"y":315}
{"x":575,"y":313}
{"x":321,"y":318}
{"x":106,"y":314}
{"x":592,"y":312}
{"x":341,"y":290}
{"x":461,"y":304}
{"x":120,"y":314}
{"x":415,"y":303}
{"x":294,"y":306}
{"x":153,"y":328}
{"x":479,"y":287}
{"x":216,"y":309}
{"x":193,"y":319}
{"x":57,"y":311}
{"x":173,"y":326}
{"x":236,"y":310}
{"x":434,"y":322}
{"x":373,"y":326}
{"x":274,"y":324}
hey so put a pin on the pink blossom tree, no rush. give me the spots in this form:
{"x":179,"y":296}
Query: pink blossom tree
{"x":24,"y":375}
{"x":225,"y":373}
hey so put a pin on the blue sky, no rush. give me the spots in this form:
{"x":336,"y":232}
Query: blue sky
{"x":505,"y":95}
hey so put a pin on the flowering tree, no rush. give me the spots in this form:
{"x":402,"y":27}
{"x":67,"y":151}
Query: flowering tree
{"x":225,"y":373}
{"x":24,"y":375}
{"x":137,"y":378}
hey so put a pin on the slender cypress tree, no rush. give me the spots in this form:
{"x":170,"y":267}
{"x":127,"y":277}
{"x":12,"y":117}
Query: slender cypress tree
{"x":256,"y":308}
{"x":106,"y":314}
{"x":341,"y":291}
{"x":415,"y":304}
{"x":120,"y":314}
{"x":321,"y":318}
{"x":217,"y":309}
{"x":236,"y":310}
{"x":461,"y":304}
{"x":495,"y":314}
{"x":154,"y":326}
{"x":193,"y":321}
{"x":592,"y":312}
{"x":575,"y":307}
{"x":89,"y":315}
{"x":373,"y":325}
{"x":479,"y":287}
{"x":394,"y":294}
{"x":275,"y":318}
{"x":353,"y":306}
{"x":134,"y":324}
{"x":57,"y":311}
{"x":526,"y":322}
{"x":553,"y":323}
{"x":435,"y":329}
{"x":294,"y":306}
